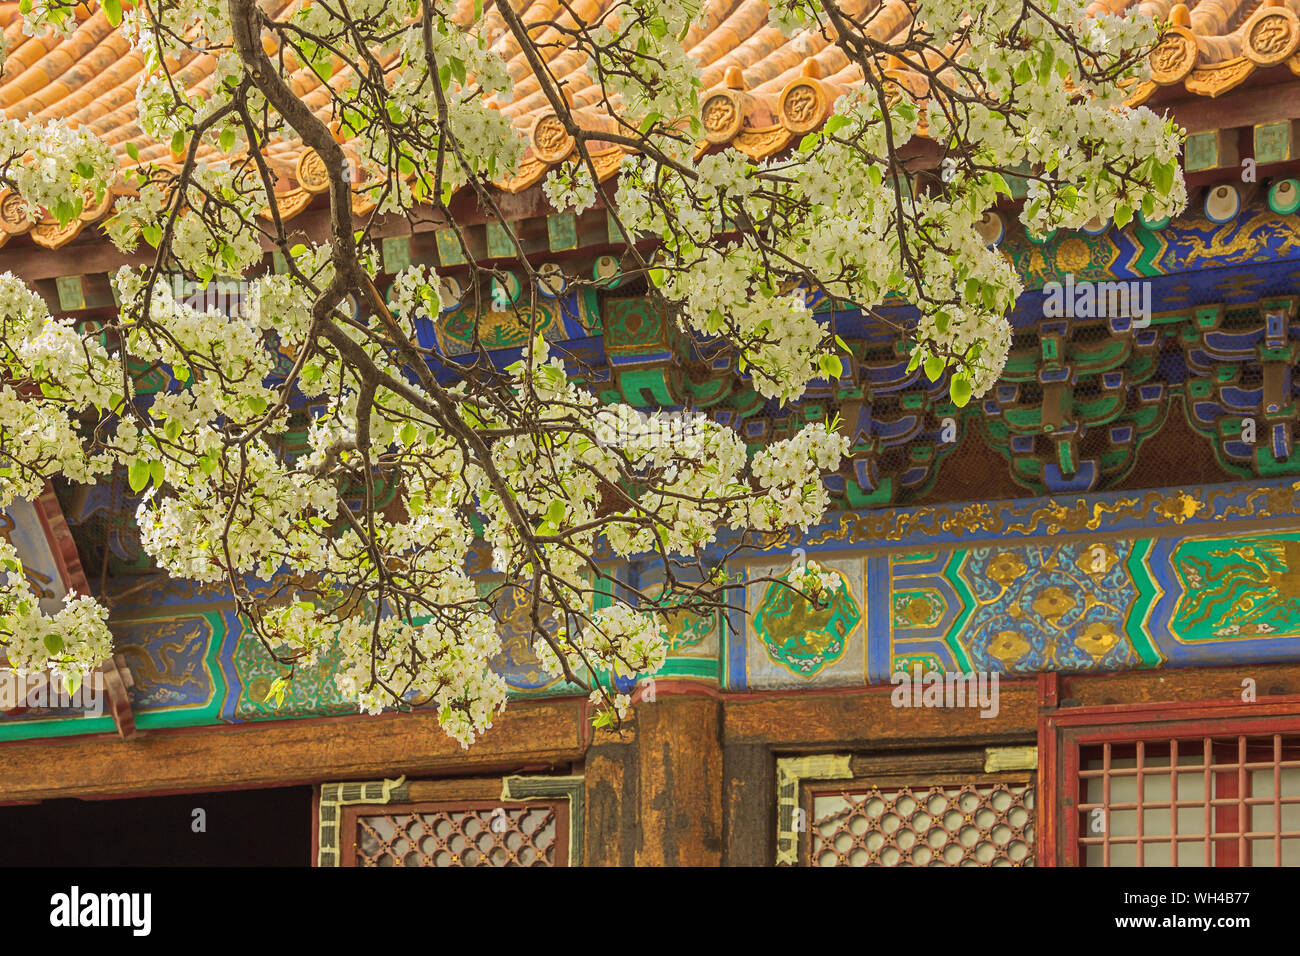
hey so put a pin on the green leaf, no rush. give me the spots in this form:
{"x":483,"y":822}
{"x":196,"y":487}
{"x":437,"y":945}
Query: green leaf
{"x":934,"y":366}
{"x":555,"y":512}
{"x":208,"y":463}
{"x":72,"y":682}
{"x":255,"y":404}
{"x":1162,"y":176}
{"x":311,"y":374}
{"x":53,"y":643}
{"x":959,"y":389}
{"x":808,"y":142}
{"x":112,"y":10}
{"x":133,"y":151}
{"x":409,"y":433}
{"x":152,"y":235}
{"x":178,"y":141}
{"x":156,"y":469}
{"x":1123,"y":215}
{"x":137,"y":476}
{"x":227,"y":139}
{"x":1045,"y":64}
{"x":830,"y":366}
{"x":172,"y":430}
{"x":835,"y":124}
{"x":276,"y":690}
{"x":458,"y":70}
{"x":298,"y":250}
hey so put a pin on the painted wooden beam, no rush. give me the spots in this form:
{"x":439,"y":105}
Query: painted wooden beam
{"x":1244,"y":106}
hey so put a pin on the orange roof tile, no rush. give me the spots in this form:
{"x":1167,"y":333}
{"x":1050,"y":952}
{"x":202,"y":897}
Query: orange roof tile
{"x":763,"y":88}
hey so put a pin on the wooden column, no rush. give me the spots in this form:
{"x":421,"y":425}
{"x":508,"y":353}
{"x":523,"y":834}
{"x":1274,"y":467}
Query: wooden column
{"x":610,"y":776}
{"x":749,"y":817}
{"x":679,"y":782}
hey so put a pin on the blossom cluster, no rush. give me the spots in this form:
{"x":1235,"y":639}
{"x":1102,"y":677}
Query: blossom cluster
{"x":535,"y":467}
{"x":68,"y":644}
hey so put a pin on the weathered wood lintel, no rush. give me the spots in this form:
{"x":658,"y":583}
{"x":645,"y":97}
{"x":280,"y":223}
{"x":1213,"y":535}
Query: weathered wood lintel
{"x":284,"y":752}
{"x":869,"y":719}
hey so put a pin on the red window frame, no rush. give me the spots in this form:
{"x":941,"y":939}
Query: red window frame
{"x":1064,"y":734}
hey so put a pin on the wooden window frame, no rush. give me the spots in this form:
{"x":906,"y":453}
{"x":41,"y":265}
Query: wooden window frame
{"x":947,"y":767}
{"x":338,"y":807}
{"x":351,"y":817}
{"x":1063,"y":734}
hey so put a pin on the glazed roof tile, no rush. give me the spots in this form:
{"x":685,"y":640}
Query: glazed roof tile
{"x":762,"y":88}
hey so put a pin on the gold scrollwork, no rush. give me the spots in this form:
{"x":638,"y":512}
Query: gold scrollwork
{"x":1053,"y":517}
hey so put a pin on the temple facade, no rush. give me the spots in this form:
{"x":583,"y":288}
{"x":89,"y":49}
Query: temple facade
{"x":1067,"y":630}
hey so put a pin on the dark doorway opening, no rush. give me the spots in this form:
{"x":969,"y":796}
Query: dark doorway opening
{"x":241,"y":828}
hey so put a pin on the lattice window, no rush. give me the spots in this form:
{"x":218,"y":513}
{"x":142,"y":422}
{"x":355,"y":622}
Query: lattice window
{"x":972,"y":823}
{"x":1231,"y":800}
{"x":462,"y":833}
